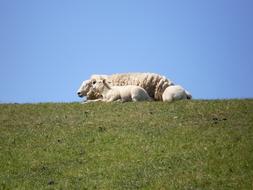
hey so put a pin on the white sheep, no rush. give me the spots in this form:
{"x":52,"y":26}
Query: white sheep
{"x":154,"y":84}
{"x":120,"y":93}
{"x":175,"y":92}
{"x":86,"y":90}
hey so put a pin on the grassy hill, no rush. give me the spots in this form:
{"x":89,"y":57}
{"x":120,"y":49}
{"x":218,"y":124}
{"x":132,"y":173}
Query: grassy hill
{"x":149,"y":145}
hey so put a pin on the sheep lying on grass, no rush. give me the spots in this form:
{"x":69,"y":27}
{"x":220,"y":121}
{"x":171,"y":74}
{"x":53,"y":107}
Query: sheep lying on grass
{"x":86,"y":90}
{"x":120,"y":93}
{"x":154,"y":84}
{"x":175,"y":92}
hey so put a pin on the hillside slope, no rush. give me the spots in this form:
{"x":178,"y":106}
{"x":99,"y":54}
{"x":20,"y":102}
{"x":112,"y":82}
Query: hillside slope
{"x":150,"y":145}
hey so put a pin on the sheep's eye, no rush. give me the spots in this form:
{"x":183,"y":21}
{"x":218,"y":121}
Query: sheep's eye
{"x":94,"y":82}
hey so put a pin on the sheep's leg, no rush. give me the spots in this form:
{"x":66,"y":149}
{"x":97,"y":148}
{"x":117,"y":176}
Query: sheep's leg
{"x":110,"y":100}
{"x":113,"y":98}
{"x":90,"y":101}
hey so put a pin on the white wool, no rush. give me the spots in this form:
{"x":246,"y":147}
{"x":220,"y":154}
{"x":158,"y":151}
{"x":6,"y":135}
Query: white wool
{"x":175,"y":92}
{"x":120,"y":93}
{"x":154,"y":84}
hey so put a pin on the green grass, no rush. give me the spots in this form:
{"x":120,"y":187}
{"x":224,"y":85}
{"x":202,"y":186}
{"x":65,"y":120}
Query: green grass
{"x":150,"y":145}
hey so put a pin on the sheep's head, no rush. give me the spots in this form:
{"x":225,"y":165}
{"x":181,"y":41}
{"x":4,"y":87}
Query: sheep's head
{"x":100,"y":85}
{"x":84,"y":88}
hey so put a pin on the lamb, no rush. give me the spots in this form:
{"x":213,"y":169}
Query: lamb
{"x":120,"y":93}
{"x":175,"y":92}
{"x":154,"y":84}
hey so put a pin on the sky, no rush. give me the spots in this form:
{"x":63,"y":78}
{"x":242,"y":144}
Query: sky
{"x":47,"y":48}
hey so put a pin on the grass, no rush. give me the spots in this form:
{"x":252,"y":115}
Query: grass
{"x":150,"y":145}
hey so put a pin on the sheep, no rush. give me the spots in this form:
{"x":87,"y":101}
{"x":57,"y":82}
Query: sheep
{"x":154,"y":84}
{"x":86,"y":90}
{"x":175,"y":92}
{"x":120,"y":93}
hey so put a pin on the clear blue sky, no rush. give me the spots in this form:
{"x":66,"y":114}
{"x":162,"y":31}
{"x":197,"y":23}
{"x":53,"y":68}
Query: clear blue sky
{"x":48,"y":47}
